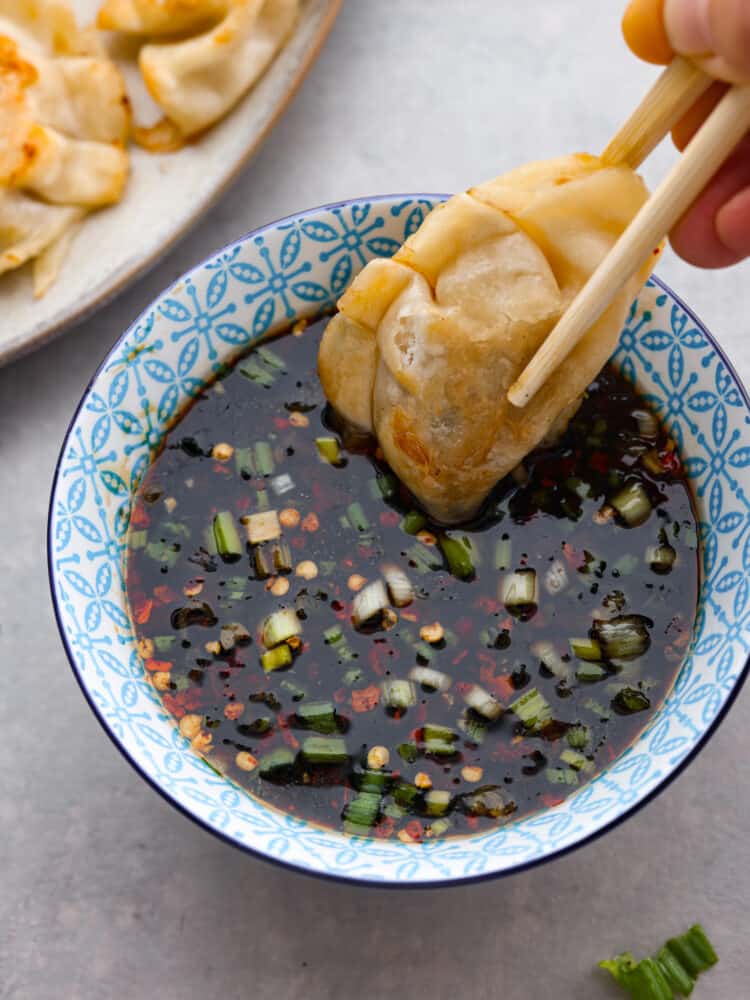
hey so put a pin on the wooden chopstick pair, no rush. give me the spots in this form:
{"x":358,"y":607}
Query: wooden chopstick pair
{"x":678,"y":87}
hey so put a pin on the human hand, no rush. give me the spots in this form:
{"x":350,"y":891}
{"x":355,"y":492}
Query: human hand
{"x":715,"y":34}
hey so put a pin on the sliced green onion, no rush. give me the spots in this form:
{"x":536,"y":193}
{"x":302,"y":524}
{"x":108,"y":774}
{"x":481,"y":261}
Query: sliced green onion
{"x":276,"y":765}
{"x":430,"y":678}
{"x":399,"y":586}
{"x":533,"y":709}
{"x":651,"y":461}
{"x":264,"y":463}
{"x":297,"y":692}
{"x":589,"y":673}
{"x":458,"y":557}
{"x":434,"y":731}
{"x":423,"y":558}
{"x":138,"y":539}
{"x":333,"y":635}
{"x":271,"y":358}
{"x":228,"y":542}
{"x":351,"y":677}
{"x":561,"y":776}
{"x":164,"y":642}
{"x":551,"y":659}
{"x":261,"y":499}
{"x":555,"y":578}
{"x":503,"y":553}
{"x":597,"y":709}
{"x":660,"y":558}
{"x":648,"y":425}
{"x":231,"y":634}
{"x":625,"y":565}
{"x":276,"y":658}
{"x":357,"y":517}
{"x":518,"y":590}
{"x":370,"y":601}
{"x":372,"y":781}
{"x":324,"y":750}
{"x":235,"y":587}
{"x":439,"y":748}
{"x":386,"y":486}
{"x":243,"y":462}
{"x":486,"y":801}
{"x":632,"y":504}
{"x":280,"y":626}
{"x":439,"y":827}
{"x":209,"y":542}
{"x":674,"y":969}
{"x":586,"y":649}
{"x":405,"y":795}
{"x":629,"y":700}
{"x":399,"y":694}
{"x":576,"y":760}
{"x":483,"y":703}
{"x":252,"y":370}
{"x":282,"y":558}
{"x":694,"y":951}
{"x":317,"y":715}
{"x":263,"y":567}
{"x":413,"y":522}
{"x":437,"y":802}
{"x":624,"y":637}
{"x":678,"y":978}
{"x":408,"y":752}
{"x":578,"y":737}
{"x":474,"y":730}
{"x":361,"y":813}
{"x":328,"y":449}
{"x":163,"y":552}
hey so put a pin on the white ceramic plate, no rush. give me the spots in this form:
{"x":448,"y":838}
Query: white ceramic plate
{"x":166,"y":195}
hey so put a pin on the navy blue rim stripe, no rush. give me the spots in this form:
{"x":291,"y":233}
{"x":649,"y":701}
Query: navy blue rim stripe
{"x":290,"y":865}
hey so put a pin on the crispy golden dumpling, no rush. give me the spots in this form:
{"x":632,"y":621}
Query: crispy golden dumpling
{"x":425,"y":345}
{"x":64,"y":122}
{"x":197,"y":79}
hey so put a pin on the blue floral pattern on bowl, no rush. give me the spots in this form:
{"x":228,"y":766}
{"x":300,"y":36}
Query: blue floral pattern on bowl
{"x":294,"y":268}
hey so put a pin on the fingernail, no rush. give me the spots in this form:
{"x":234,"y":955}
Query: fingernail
{"x":688,"y":24}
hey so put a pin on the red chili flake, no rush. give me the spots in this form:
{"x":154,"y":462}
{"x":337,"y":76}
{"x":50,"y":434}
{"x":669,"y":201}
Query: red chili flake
{"x":164,"y":594}
{"x":390,"y":518}
{"x":500,"y":685}
{"x":414,"y":829}
{"x":385,"y":829}
{"x":461,"y":656}
{"x":670,"y":461}
{"x":421,"y":713}
{"x":223,"y":470}
{"x":243,"y":503}
{"x":348,"y":563}
{"x":599,"y":462}
{"x":142,"y":610}
{"x":173,"y":706}
{"x":473,"y":822}
{"x":298,"y":542}
{"x":365,"y":699}
{"x":154,"y":665}
{"x":463,"y":686}
{"x":509,"y":751}
{"x":290,"y":739}
{"x":310,"y":523}
{"x":375,"y":658}
{"x":551,"y":800}
{"x":339,"y":695}
{"x":572,"y":556}
{"x":281,"y":423}
{"x":367,"y":551}
{"x":488,"y":605}
{"x":464,"y":626}
{"x":139,"y":517}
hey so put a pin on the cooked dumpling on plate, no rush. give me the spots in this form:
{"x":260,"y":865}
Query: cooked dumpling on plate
{"x":197,"y":79}
{"x":426,"y":345}
{"x":64,"y":122}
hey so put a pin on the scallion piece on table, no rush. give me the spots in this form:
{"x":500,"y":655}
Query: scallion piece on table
{"x":413,"y":522}
{"x":589,"y":673}
{"x":694,"y":951}
{"x":661,"y":558}
{"x":533,"y":709}
{"x":551,"y":659}
{"x":518,"y":590}
{"x":243,"y":462}
{"x":328,"y":450}
{"x":276,"y":765}
{"x":458,"y":556}
{"x":624,"y":637}
{"x":632,"y":504}
{"x":437,"y":802}
{"x":317,"y":715}
{"x":361,"y":813}
{"x":578,"y":737}
{"x":629,"y":700}
{"x":483,"y":703}
{"x":276,"y":658}
{"x":673,"y":970}
{"x":264,"y":463}
{"x":399,"y":586}
{"x":503,"y":553}
{"x":357,"y":517}
{"x":430,"y":678}
{"x":280,"y":626}
{"x":586,"y":649}
{"x":271,"y":358}
{"x":228,"y":542}
{"x":370,"y":601}
{"x":324,"y":750}
{"x":675,"y":973}
{"x":399,"y":694}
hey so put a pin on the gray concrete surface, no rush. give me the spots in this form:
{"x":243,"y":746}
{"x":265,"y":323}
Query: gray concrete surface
{"x":106,"y":893}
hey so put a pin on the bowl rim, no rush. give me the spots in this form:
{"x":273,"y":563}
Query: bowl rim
{"x":248,"y":848}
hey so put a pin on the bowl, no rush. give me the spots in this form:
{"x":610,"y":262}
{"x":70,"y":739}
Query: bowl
{"x":262,"y":282}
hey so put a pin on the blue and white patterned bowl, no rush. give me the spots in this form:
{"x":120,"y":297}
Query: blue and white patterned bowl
{"x":297,"y":267}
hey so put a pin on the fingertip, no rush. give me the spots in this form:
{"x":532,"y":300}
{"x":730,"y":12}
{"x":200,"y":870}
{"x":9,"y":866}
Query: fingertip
{"x":644,"y":32}
{"x":733,"y":224}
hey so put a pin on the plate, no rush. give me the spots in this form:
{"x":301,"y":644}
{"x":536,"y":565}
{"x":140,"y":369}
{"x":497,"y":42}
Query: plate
{"x":166,"y":195}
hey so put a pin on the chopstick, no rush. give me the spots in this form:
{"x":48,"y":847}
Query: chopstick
{"x":705,"y":153}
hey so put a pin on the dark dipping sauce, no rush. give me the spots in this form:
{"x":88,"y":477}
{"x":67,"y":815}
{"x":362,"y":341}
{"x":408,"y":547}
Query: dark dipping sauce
{"x":593,"y":540}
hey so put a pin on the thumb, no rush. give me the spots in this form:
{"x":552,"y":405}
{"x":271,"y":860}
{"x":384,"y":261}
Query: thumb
{"x":716,"y":33}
